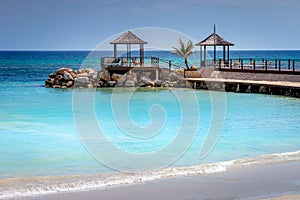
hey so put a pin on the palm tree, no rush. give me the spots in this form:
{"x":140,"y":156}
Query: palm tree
{"x":184,"y":51}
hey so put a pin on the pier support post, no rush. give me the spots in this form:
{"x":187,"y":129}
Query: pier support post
{"x":156,"y":75}
{"x":237,"y":88}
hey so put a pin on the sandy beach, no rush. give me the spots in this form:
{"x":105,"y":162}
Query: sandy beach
{"x":270,"y":181}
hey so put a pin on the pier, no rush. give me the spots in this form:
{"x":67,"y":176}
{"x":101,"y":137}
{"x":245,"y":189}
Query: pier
{"x":286,"y":88}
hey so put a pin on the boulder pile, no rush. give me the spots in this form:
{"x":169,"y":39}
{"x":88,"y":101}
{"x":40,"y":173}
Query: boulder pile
{"x":91,"y":78}
{"x":69,"y":78}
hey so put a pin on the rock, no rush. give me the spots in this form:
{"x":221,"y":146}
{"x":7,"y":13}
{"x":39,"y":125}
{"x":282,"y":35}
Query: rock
{"x":67,"y":76}
{"x":129,"y":83}
{"x":91,"y":70}
{"x":49,"y":82}
{"x":140,"y":83}
{"x":62,"y":70}
{"x":147,"y":81}
{"x":80,"y":75}
{"x":89,"y":85}
{"x":111,"y":83}
{"x":116,"y":77}
{"x":58,"y":77}
{"x":52,"y":75}
{"x":100,"y":84}
{"x":173,"y":84}
{"x":166,"y":84}
{"x":122,"y":80}
{"x":82,"y":80}
{"x":56,"y":86}
{"x":73,"y":74}
{"x":158,"y":83}
{"x":69,"y":84}
{"x":263,"y":89}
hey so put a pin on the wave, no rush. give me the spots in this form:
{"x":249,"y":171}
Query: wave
{"x":24,"y":187}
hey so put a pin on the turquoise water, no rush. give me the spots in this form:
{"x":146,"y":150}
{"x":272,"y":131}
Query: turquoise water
{"x":39,"y":136}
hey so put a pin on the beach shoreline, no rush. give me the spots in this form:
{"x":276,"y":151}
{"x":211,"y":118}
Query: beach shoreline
{"x":265,"y":181}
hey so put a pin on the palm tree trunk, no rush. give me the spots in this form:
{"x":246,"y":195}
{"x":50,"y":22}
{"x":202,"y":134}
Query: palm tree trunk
{"x":186,"y":63}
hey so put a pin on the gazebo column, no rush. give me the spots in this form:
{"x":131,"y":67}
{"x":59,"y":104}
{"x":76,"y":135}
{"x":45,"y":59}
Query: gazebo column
{"x":200,"y":56}
{"x":128,"y":54}
{"x":215,"y":54}
{"x":141,"y":54}
{"x":224,"y":54}
{"x":228,"y":56}
{"x":204,"y":56}
{"x":115,"y":51}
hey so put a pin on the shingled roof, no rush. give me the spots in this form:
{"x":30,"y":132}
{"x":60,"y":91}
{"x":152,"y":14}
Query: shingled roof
{"x":214,"y":40}
{"x":128,"y":38}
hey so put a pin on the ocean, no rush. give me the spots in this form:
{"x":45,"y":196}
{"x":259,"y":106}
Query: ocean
{"x":56,"y":140}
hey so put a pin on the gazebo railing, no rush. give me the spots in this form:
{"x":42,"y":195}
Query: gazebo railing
{"x":129,"y":62}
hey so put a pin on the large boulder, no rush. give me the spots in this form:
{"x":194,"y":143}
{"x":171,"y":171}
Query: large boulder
{"x":62,"y":70}
{"x":81,"y":75}
{"x":147,"y":81}
{"x":49,"y":82}
{"x":129,"y":83}
{"x":67,"y":76}
{"x":81,"y":80}
{"x":111,"y":83}
{"x":116,"y":77}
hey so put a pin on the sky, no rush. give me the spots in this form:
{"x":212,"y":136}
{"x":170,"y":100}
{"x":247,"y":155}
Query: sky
{"x":83,"y":24}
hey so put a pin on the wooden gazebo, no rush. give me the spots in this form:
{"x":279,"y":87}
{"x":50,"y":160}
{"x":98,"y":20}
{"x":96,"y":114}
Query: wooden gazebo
{"x":214,"y":40}
{"x":128,"y":38}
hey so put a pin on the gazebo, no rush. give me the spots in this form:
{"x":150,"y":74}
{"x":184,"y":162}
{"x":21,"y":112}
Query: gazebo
{"x":214,"y":40}
{"x":128,"y":38}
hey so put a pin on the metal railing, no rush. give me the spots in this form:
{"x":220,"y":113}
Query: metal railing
{"x":287,"y":66}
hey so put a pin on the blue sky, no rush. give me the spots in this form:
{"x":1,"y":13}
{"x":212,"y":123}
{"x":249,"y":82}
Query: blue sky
{"x":83,"y":24}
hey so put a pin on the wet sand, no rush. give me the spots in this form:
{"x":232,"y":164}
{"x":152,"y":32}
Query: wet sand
{"x":270,"y":181}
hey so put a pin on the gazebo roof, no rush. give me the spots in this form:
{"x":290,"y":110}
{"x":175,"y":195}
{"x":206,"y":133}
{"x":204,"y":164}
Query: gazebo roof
{"x":128,"y":38}
{"x":214,"y":40}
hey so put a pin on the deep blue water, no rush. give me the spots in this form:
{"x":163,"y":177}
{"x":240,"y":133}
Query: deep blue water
{"x":38,"y":64}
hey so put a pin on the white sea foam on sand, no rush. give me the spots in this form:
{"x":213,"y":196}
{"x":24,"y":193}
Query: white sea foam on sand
{"x":22,"y":187}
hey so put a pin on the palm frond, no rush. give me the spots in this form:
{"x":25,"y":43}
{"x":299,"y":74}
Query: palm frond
{"x":184,"y":51}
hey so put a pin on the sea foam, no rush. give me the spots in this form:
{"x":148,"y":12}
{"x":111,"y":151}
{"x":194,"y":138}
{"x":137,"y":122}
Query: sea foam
{"x":24,"y":187}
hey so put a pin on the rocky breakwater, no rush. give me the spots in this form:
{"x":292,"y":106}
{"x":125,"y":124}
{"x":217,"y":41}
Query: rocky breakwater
{"x":166,"y":78}
{"x":69,"y":78}
{"x":91,"y":78}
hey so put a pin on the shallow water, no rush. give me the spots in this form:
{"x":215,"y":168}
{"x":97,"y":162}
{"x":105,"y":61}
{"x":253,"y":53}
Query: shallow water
{"x":39,"y":134}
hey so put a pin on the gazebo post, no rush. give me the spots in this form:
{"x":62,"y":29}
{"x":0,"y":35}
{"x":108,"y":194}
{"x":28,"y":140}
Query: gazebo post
{"x":228,"y":56}
{"x":204,"y":56}
{"x":224,"y":54}
{"x":200,"y":56}
{"x":215,"y":54}
{"x":115,"y":51}
{"x":141,"y":54}
{"x":127,"y":53}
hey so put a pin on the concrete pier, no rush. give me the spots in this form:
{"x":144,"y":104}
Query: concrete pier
{"x":247,"y":86}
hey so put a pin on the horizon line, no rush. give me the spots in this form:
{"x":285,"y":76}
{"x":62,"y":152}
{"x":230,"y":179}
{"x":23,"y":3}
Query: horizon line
{"x":145,"y":50}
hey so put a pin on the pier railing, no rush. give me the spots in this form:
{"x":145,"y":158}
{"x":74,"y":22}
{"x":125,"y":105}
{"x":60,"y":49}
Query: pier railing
{"x":279,"y":66}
